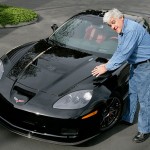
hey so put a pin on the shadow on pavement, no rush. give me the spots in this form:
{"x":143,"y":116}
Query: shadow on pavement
{"x":104,"y":136}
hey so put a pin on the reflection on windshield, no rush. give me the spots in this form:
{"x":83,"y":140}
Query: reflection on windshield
{"x":87,"y":33}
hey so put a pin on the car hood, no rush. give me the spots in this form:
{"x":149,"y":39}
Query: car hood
{"x":44,"y":74}
{"x":55,"y":69}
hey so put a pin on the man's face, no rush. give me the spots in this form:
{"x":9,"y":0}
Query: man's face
{"x":116,"y":24}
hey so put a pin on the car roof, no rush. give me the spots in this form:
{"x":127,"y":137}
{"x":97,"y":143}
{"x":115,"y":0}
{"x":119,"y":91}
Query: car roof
{"x":141,"y":19}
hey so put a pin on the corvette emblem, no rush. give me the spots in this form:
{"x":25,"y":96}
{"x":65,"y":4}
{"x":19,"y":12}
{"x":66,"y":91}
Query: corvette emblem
{"x":19,"y":100}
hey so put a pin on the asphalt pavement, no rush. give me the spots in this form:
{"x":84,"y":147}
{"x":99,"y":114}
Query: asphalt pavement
{"x":57,"y":11}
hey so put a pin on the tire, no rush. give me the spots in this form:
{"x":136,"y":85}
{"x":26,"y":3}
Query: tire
{"x":111,"y":113}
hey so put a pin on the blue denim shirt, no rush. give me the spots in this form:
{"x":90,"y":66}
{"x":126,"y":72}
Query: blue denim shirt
{"x":133,"y":45}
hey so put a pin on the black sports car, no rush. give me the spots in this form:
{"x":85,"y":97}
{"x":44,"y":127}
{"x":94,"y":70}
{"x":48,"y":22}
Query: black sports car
{"x":46,"y":87}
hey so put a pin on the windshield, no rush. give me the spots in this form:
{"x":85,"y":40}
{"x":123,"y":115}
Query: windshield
{"x":87,"y":32}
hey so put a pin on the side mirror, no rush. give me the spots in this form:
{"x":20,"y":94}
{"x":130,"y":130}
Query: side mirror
{"x":54,"y":27}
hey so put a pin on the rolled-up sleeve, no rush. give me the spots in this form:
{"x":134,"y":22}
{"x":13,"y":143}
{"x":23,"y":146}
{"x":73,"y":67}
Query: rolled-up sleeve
{"x":126,"y":45}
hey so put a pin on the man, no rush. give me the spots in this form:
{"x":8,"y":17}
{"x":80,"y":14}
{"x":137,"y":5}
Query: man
{"x":134,"y":47}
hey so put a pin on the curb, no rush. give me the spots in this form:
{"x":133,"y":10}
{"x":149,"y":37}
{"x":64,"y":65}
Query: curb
{"x":20,"y":24}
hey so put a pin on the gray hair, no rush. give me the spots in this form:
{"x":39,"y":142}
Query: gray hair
{"x":115,"y":13}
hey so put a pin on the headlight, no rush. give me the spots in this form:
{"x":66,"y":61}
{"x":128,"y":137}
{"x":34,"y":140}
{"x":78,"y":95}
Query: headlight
{"x":74,"y":100}
{"x":1,"y":68}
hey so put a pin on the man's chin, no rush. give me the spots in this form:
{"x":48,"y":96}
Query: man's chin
{"x":117,"y":31}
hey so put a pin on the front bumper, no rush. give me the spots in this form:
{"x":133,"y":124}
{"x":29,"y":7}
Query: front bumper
{"x":54,"y":130}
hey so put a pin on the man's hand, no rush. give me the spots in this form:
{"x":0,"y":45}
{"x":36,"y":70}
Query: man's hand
{"x":98,"y":70}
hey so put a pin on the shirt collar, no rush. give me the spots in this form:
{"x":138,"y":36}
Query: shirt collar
{"x":123,"y":28}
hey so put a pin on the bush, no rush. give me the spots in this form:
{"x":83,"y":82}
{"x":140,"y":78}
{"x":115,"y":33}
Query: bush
{"x":10,"y":15}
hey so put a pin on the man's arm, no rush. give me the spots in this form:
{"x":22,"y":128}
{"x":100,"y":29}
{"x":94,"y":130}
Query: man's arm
{"x":123,"y":52}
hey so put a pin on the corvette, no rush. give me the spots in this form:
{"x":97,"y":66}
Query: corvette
{"x":46,"y":88}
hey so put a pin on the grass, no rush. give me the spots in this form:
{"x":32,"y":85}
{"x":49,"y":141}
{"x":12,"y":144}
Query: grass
{"x":10,"y":15}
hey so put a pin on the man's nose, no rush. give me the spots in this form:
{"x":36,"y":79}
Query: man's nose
{"x":113,"y":27}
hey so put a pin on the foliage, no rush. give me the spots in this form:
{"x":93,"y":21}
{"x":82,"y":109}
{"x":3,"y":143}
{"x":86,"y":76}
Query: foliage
{"x":10,"y":15}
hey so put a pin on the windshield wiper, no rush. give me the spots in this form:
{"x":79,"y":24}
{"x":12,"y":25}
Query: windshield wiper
{"x":51,"y":41}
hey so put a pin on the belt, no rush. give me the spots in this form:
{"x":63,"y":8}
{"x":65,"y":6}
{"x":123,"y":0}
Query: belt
{"x":146,"y":61}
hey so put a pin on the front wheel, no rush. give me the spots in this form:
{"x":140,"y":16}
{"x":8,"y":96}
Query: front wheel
{"x":111,"y":113}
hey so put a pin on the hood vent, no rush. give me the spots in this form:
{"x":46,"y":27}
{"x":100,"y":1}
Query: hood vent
{"x":24,"y":92}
